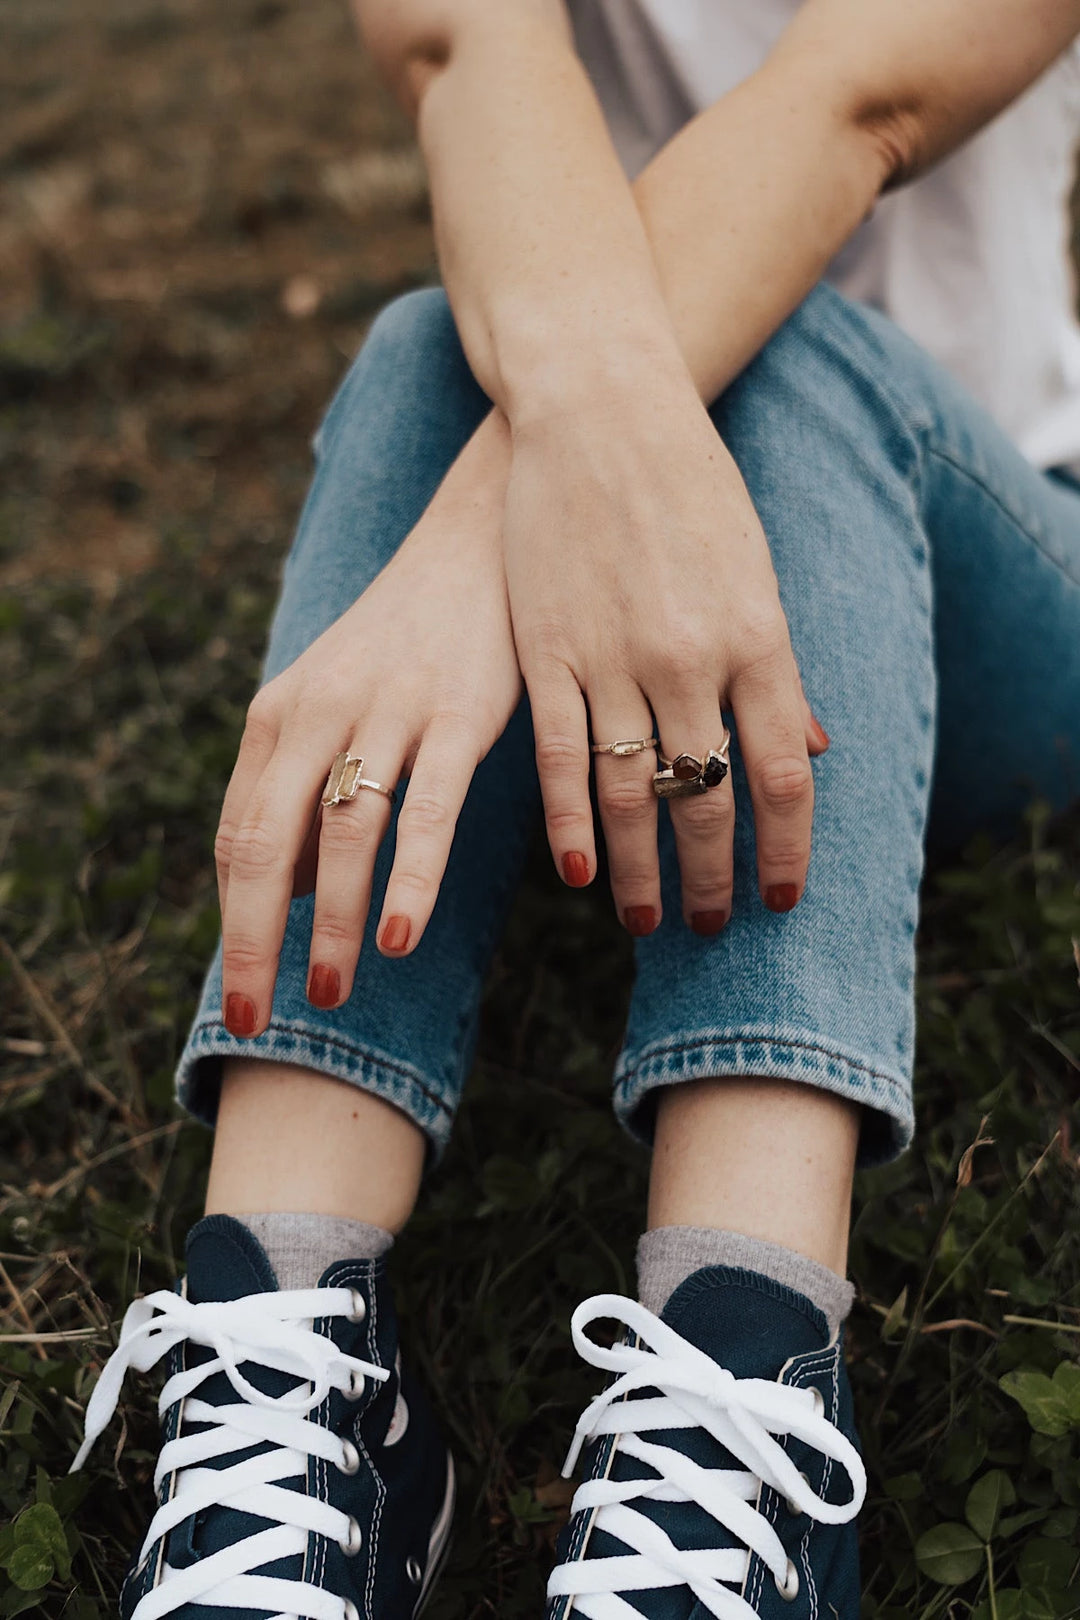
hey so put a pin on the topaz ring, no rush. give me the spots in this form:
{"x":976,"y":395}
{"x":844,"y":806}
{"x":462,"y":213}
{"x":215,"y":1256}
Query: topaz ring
{"x":345,"y":781}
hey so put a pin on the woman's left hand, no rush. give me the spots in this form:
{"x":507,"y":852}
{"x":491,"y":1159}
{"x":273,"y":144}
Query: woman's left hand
{"x":641,"y":586}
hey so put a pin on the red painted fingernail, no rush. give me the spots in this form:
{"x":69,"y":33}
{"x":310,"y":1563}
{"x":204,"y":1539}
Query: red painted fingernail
{"x":639,"y":920}
{"x":821,"y":736}
{"x":324,"y":986}
{"x":395,"y":934}
{"x":708,"y":922}
{"x":239,"y":1014}
{"x":575,"y":869}
{"x":781,"y":896}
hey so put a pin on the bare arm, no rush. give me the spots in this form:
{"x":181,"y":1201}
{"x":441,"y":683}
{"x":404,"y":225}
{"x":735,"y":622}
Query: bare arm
{"x":544,"y":259}
{"x":599,"y":316}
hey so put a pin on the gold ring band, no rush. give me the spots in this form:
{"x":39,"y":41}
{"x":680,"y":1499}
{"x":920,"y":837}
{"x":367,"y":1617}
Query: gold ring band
{"x":345,"y":781}
{"x":623,"y":750}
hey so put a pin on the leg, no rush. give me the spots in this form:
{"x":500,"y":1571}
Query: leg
{"x":330,"y":1112}
{"x":915,"y":551}
{"x":332,"y":1491}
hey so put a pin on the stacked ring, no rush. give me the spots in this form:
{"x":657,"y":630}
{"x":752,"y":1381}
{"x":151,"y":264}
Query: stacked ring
{"x":686,"y":775}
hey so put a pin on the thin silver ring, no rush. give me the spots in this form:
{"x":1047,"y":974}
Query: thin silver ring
{"x":623,"y":750}
{"x":345,"y":781}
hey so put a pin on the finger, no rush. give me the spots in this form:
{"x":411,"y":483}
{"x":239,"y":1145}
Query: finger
{"x":351,"y":834}
{"x":265,"y":851}
{"x":628,"y":806}
{"x":772,"y":743}
{"x":817,"y":738}
{"x":704,"y":824}
{"x":307,"y":864}
{"x":257,"y":745}
{"x":560,"y":727}
{"x":441,"y":775}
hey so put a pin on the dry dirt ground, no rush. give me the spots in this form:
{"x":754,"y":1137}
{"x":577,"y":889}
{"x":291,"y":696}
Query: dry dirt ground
{"x":201,"y":206}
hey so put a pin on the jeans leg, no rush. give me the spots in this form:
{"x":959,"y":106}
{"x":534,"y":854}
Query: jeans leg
{"x":913,"y":544}
{"x":404,"y":411}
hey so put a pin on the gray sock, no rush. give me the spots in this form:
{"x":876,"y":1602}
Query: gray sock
{"x":669,"y":1254}
{"x":300,"y":1247}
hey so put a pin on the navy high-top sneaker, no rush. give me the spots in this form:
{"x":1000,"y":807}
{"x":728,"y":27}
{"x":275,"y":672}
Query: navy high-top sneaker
{"x":722,"y":1474}
{"x":302,"y":1471}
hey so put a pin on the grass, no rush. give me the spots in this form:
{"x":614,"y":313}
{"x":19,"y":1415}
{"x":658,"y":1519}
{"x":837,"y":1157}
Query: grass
{"x":965,"y":1340}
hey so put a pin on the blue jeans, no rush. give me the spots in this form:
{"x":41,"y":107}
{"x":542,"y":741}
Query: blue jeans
{"x":931,"y":580}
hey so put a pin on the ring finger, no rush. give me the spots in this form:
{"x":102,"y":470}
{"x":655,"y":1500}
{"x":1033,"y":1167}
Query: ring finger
{"x":703,"y":823}
{"x":352,"y":831}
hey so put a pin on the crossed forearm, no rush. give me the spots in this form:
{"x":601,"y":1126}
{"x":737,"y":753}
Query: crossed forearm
{"x":557,"y":269}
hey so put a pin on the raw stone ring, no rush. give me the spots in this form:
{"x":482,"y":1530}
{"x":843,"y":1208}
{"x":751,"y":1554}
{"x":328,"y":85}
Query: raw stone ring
{"x":686,"y":776}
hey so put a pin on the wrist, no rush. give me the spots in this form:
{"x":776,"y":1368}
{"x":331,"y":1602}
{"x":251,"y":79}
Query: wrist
{"x":558,"y":366}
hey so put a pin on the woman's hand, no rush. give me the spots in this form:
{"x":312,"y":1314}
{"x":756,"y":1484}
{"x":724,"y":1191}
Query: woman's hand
{"x":641,"y":585}
{"x":420,"y":677}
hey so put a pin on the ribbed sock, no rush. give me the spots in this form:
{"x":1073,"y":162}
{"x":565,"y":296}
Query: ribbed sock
{"x":300,"y":1247}
{"x":668,"y":1255}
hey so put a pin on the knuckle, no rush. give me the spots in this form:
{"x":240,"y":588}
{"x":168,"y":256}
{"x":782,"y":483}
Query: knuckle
{"x":243,"y":957}
{"x":224,"y":839}
{"x":706,"y":814}
{"x":335,"y":928}
{"x":350,"y":834}
{"x":412,"y":877}
{"x":785,"y":785}
{"x":256,"y":852}
{"x":422,"y":813}
{"x":566,"y":821}
{"x":626,"y":803}
{"x":262,"y":718}
{"x":558,"y":755}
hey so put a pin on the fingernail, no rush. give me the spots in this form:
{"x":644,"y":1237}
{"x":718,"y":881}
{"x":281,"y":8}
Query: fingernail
{"x":239,"y":1014}
{"x":821,"y":736}
{"x":395,"y":934}
{"x":708,"y":922}
{"x":324,"y":986}
{"x":575,"y":869}
{"x":639,"y":920}
{"x":781,"y":896}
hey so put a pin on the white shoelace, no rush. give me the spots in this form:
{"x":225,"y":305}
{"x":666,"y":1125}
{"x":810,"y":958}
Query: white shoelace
{"x":274,"y":1330}
{"x":743,"y":1415}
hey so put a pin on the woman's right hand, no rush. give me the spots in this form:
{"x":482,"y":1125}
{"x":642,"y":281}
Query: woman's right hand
{"x":420,"y":677}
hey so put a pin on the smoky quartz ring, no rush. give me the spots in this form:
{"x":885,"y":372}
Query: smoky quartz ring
{"x":686,"y":775}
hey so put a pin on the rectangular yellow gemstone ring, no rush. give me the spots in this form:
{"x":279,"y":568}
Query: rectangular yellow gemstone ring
{"x":344,"y":779}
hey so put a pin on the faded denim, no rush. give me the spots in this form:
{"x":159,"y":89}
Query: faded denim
{"x":931,"y":580}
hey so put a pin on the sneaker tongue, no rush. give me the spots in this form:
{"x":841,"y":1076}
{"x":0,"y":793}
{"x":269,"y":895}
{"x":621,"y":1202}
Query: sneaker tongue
{"x":746,"y":1322}
{"x":225,"y":1260}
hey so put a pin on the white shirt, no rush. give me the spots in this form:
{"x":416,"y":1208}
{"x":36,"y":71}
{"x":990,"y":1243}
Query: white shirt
{"x":972,"y":259}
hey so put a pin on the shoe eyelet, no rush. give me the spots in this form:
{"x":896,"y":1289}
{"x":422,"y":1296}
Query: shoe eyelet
{"x":357,"y":1385}
{"x":359,"y":1306}
{"x":793,"y":1507}
{"x":350,"y":1458}
{"x":351,"y":1611}
{"x":788,"y":1588}
{"x":414,"y":1570}
{"x":354,"y":1541}
{"x":819,"y":1401}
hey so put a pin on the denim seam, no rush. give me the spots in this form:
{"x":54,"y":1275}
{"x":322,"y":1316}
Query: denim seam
{"x":1014,"y":517}
{"x":388,"y":1065}
{"x":680,"y":1048}
{"x":913,"y":424}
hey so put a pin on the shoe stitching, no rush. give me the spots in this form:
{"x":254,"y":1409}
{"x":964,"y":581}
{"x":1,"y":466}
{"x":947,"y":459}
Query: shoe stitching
{"x":380,"y":1487}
